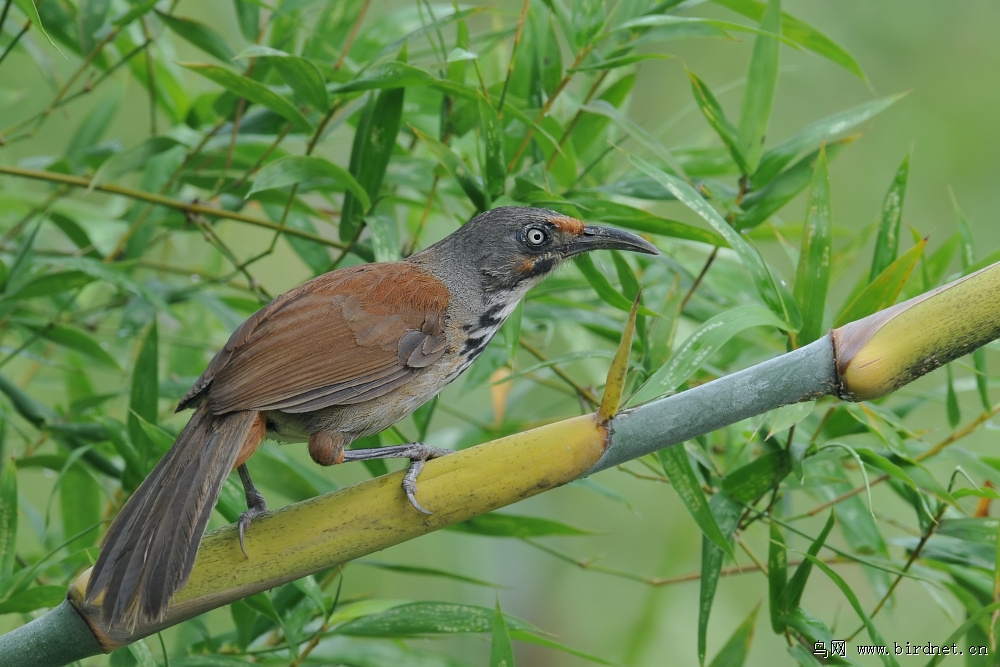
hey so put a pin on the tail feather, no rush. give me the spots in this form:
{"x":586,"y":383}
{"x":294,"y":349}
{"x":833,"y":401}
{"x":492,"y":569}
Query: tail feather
{"x":149,"y":551}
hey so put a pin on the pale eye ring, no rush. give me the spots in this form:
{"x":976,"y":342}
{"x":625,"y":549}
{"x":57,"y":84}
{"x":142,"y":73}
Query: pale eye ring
{"x":536,"y":236}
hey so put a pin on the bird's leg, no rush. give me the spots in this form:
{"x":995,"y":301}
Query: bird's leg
{"x":417,"y":452}
{"x":255,"y":504}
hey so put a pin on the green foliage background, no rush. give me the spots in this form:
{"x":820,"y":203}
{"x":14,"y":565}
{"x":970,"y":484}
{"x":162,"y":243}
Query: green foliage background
{"x":110,"y":306}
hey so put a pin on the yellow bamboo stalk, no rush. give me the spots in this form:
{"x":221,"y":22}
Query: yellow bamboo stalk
{"x":321,"y":532}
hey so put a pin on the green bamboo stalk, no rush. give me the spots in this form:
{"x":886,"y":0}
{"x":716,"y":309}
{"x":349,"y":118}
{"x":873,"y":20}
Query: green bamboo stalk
{"x":861,"y":360}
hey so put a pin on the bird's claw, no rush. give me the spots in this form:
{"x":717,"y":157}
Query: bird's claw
{"x":255,"y":507}
{"x":421,"y":454}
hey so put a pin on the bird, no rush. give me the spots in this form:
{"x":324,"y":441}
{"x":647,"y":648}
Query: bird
{"x":344,"y":355}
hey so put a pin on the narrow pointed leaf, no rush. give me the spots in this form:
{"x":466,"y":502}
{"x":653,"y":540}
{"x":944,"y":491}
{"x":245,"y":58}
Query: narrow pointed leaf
{"x":887,"y":241}
{"x":882,"y":292}
{"x":716,"y":117}
{"x":374,"y":142}
{"x":299,"y":73}
{"x":248,"y":17}
{"x":494,"y":164}
{"x":812,"y":277}
{"x":777,"y":577}
{"x":762,"y":80}
{"x":198,"y":34}
{"x":775,"y":297}
{"x":145,"y":394}
{"x":301,"y":169}
{"x":677,"y":467}
{"x":253,"y":91}
{"x":734,"y":652}
{"x":604,"y":288}
{"x":458,"y":169}
{"x":792,"y":595}
{"x":700,"y":346}
{"x":727,"y":513}
{"x":810,"y":137}
{"x":8,"y":518}
{"x":501,"y":651}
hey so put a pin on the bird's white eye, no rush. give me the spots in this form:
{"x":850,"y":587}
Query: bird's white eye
{"x":535,"y":237}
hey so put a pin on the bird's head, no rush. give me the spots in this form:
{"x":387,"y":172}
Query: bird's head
{"x":512,"y":248}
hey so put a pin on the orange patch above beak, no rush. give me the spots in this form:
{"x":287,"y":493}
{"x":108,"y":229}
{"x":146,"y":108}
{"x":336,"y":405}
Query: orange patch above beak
{"x":567,"y":224}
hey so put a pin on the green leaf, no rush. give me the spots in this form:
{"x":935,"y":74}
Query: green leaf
{"x":253,"y":91}
{"x":494,"y":163}
{"x":501,"y":652}
{"x":623,"y":215}
{"x":91,"y":17}
{"x":677,"y":467}
{"x":49,"y":284}
{"x":81,"y":504}
{"x":882,"y":292}
{"x":951,"y":400}
{"x":384,"y":236}
{"x":94,"y":125}
{"x":374,"y":142}
{"x":426,"y":618}
{"x":887,"y":241}
{"x":198,"y":34}
{"x":144,"y":394}
{"x":587,"y":17}
{"x":76,"y":339}
{"x":8,"y":518}
{"x":700,"y":346}
{"x":734,"y":652}
{"x":300,"y":74}
{"x":761,"y":204}
{"x":812,"y":277}
{"x":762,"y":79}
{"x":619,"y":61}
{"x":429,"y":572}
{"x":495,"y":524}
{"x":777,"y":577}
{"x":130,"y":160}
{"x":458,"y":169}
{"x":748,"y":483}
{"x":33,"y":599}
{"x":727,"y":514}
{"x":776,"y":298}
{"x":604,"y":288}
{"x":248,"y":17}
{"x":716,"y":117}
{"x":315,"y":173}
{"x":826,"y":130}
{"x":792,"y":595}
{"x":801,"y":33}
{"x":873,"y":632}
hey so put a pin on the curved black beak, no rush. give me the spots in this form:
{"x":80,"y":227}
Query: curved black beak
{"x":608,"y":238}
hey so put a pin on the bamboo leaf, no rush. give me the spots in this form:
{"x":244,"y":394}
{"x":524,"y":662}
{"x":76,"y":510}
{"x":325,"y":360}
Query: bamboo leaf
{"x":777,"y":577}
{"x":792,"y":595}
{"x":774,"y":296}
{"x":8,"y":518}
{"x":748,"y":483}
{"x":604,"y":288}
{"x":299,"y":73}
{"x":145,"y":395}
{"x":78,"y":340}
{"x":496,"y":524}
{"x":677,"y":467}
{"x":374,"y":142}
{"x":882,"y":292}
{"x":716,"y":117}
{"x":501,"y":651}
{"x":734,"y":652}
{"x":458,"y":169}
{"x":801,"y":33}
{"x":887,"y":241}
{"x":494,"y":163}
{"x":823,"y":131}
{"x":33,"y":599}
{"x":812,"y":277}
{"x":198,"y":34}
{"x":248,"y":18}
{"x":253,"y":91}
{"x":700,"y":346}
{"x":426,"y":618}
{"x":620,"y":61}
{"x":727,"y":514}
{"x":310,"y":172}
{"x":762,"y":80}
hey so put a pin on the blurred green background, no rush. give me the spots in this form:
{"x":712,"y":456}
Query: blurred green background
{"x":947,"y":55}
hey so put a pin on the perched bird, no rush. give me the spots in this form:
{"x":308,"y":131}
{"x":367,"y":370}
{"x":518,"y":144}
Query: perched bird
{"x":342,"y":356}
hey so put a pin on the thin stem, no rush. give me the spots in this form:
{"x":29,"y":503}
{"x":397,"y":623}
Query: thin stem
{"x":10,"y":47}
{"x":349,"y":42}
{"x":582,"y":392}
{"x":513,"y":52}
{"x":160,"y":200}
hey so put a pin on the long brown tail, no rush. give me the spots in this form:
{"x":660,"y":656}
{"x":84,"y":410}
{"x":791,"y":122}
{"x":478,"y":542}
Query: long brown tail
{"x":150,"y":547}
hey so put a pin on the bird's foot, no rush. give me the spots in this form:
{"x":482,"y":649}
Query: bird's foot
{"x":417,"y":452}
{"x":256,"y":505}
